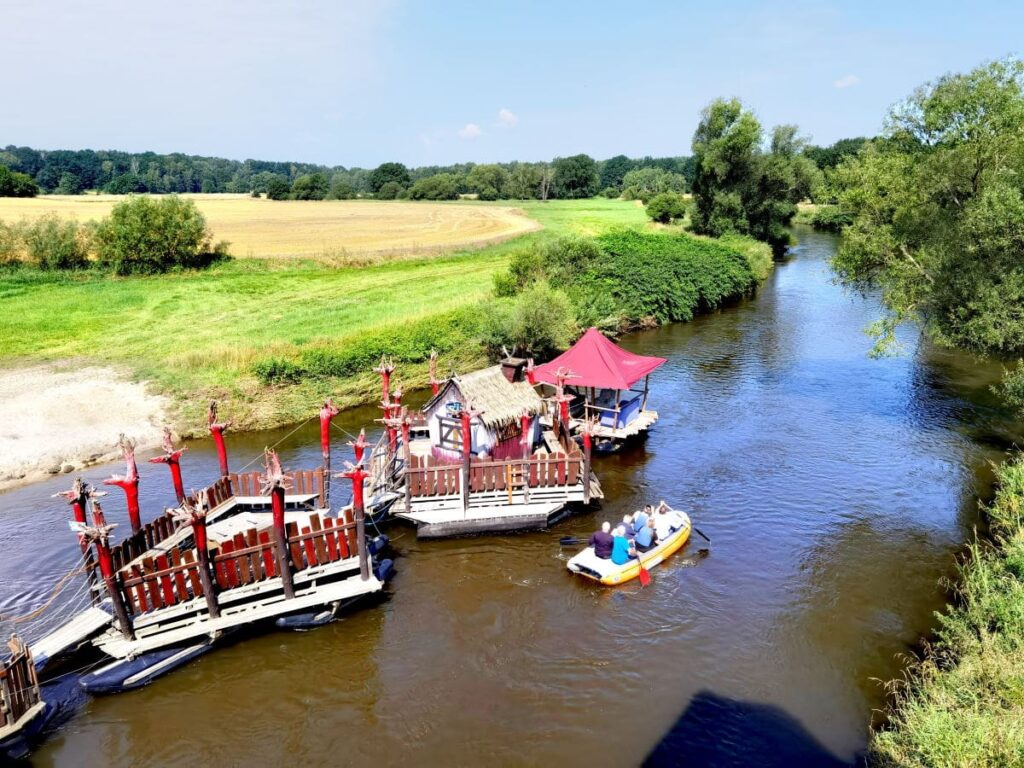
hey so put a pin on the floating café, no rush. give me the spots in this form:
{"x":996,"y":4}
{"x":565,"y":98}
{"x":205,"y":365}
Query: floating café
{"x":478,"y":457}
{"x":601,"y":381}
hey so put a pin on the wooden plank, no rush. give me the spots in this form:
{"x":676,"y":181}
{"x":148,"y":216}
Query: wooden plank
{"x":230,"y":569}
{"x":220,"y":572}
{"x":318,"y":541}
{"x":242,"y":561}
{"x":329,"y":539}
{"x":255,"y":558}
{"x":193,"y":573}
{"x":179,"y":576}
{"x":307,"y":546}
{"x":499,"y":479}
{"x":166,"y":586}
{"x":560,"y":459}
{"x":139,"y":590}
{"x":151,"y":584}
{"x":292,"y":530}
{"x":574,"y":471}
{"x":269,"y":559}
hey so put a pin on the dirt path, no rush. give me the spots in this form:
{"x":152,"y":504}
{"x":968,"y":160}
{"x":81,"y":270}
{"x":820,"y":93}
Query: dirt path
{"x":59,"y":418}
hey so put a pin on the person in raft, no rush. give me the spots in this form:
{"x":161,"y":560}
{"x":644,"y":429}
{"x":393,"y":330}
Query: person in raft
{"x":628,"y":526}
{"x":646,"y":538}
{"x":601,"y":541}
{"x":666,"y":520}
{"x":621,"y":550}
{"x":641,"y":517}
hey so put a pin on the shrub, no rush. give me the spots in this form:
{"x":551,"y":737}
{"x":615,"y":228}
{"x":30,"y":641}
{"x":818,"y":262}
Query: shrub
{"x":389,"y":191}
{"x":10,"y":245}
{"x":611,"y":193}
{"x":145,"y":236}
{"x":312,"y":186}
{"x":275,"y":370}
{"x":525,"y":267}
{"x":55,"y":243}
{"x":14,"y":184}
{"x":278,"y":188}
{"x":539,"y":320}
{"x":342,"y":190}
{"x":442,"y":186}
{"x":831,"y":218}
{"x":564,"y":259}
{"x":126,"y":184}
{"x":666,"y":207}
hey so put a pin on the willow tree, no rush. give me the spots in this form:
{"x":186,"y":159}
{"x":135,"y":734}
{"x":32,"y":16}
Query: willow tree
{"x":939,"y":211}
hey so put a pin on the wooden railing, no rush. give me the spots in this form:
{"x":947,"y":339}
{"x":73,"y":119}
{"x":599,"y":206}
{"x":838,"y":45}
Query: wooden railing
{"x":249,"y":557}
{"x":300,"y":481}
{"x":427,"y":477}
{"x":19,"y":686}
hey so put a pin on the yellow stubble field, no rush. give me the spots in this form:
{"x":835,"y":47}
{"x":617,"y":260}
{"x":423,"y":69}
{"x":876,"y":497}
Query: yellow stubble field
{"x":328,"y":229}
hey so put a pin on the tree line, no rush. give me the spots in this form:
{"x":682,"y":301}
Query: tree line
{"x":25,"y":171}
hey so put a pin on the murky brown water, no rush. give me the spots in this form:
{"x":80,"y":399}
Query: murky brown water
{"x":836,"y":489}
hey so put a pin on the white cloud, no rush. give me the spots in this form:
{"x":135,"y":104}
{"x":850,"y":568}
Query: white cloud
{"x":471,"y":131}
{"x":846,"y":81}
{"x":507,"y":117}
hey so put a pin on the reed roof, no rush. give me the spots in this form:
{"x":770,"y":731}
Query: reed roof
{"x":500,"y":400}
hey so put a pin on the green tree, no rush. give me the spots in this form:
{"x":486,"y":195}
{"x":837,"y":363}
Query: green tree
{"x":523,"y":181}
{"x":538,"y":321}
{"x":144,"y":235}
{"x":278,"y":188}
{"x":15,"y":184}
{"x":489,"y":181}
{"x":389,"y":191}
{"x":938,"y":211}
{"x":312,"y":186}
{"x":69,"y":184}
{"x":55,"y":243}
{"x":389,"y":173}
{"x":666,"y":207}
{"x":575,"y":177}
{"x":341,"y":189}
{"x":126,"y":184}
{"x":614,"y":169}
{"x":442,"y":186}
{"x":645,"y":183}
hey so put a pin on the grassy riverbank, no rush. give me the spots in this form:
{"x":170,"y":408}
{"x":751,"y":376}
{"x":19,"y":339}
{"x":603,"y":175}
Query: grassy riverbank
{"x":964,"y":704}
{"x":309,"y":327}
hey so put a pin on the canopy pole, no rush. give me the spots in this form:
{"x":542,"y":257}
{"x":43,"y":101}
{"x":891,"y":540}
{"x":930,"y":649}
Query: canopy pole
{"x":647,"y":389}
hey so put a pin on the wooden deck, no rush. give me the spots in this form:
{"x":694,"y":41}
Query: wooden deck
{"x":644,"y":420}
{"x":72,"y":634}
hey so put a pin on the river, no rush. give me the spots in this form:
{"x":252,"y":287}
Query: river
{"x":837,"y":490}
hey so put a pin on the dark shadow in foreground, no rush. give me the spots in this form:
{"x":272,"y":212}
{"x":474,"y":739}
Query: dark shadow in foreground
{"x":721,"y":732}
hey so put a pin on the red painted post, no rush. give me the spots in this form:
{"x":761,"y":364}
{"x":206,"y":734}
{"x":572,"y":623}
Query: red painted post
{"x":587,"y":445}
{"x":284,"y":564}
{"x":110,"y":579}
{"x":203,"y":555}
{"x":385,"y":369}
{"x":406,"y":464}
{"x":530,"y":369}
{"x":217,"y":430}
{"x":434,"y":384}
{"x":526,"y":430}
{"x":359,"y":446}
{"x":129,"y":483}
{"x":467,"y":453}
{"x":78,"y":498}
{"x":172,"y":458}
{"x":357,"y":475}
{"x":328,"y":412}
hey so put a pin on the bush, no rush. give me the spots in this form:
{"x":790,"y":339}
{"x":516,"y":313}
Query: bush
{"x":565,"y":259}
{"x":10,"y":245}
{"x":525,"y":267}
{"x":55,"y":243}
{"x":611,"y":193}
{"x":278,"y":188}
{"x":342,"y":190}
{"x":666,"y":207}
{"x":539,"y":321}
{"x":126,"y":184}
{"x":145,"y":236}
{"x":442,"y":186}
{"x":389,"y":191}
{"x":277,"y":371}
{"x":831,"y":218}
{"x":14,"y":184}
{"x":312,"y":186}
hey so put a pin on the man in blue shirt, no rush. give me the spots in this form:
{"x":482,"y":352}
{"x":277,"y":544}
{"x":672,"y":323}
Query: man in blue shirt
{"x":645,"y":539}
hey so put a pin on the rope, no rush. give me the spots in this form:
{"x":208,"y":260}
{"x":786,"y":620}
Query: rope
{"x":53,"y":596}
{"x":300,"y":426}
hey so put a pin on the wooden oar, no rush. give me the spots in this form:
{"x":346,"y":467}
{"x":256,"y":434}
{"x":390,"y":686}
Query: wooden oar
{"x":568,"y":541}
{"x":645,"y":575}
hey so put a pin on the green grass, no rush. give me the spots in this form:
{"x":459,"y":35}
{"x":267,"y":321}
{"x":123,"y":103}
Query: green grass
{"x":199,"y":334}
{"x":964,"y":704}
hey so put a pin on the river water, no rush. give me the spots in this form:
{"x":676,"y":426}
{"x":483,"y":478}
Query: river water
{"x":837,"y":491}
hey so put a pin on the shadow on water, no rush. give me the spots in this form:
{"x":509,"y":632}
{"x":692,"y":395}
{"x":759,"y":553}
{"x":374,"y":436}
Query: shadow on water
{"x":720,"y":732}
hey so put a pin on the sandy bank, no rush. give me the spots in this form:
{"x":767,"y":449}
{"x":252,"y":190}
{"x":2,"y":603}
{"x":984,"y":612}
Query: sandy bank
{"x":59,"y":418}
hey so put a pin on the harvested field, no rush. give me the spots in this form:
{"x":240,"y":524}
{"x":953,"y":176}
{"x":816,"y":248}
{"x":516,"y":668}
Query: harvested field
{"x":334,"y":230}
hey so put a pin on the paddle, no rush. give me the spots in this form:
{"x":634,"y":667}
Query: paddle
{"x":645,"y":575}
{"x":568,"y":541}
{"x":698,"y":530}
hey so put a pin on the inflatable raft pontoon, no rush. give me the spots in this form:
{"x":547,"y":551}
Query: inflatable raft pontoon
{"x":590,"y":566}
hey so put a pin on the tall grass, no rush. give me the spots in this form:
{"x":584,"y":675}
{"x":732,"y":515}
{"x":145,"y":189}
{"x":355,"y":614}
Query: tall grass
{"x":963,"y":705}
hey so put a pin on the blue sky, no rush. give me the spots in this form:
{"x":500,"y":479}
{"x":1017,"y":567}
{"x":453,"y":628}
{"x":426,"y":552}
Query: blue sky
{"x":357,"y":83}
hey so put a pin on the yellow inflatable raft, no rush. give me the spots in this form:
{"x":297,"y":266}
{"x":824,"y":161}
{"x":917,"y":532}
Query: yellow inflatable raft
{"x":590,"y":566}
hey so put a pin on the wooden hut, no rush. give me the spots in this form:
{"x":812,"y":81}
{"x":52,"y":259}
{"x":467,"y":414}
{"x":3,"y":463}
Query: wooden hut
{"x":499,"y":397}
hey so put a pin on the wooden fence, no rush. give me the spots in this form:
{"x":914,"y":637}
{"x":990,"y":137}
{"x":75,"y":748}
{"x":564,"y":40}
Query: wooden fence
{"x":19,"y":686}
{"x":249,"y":557}
{"x":300,"y":481}
{"x":427,"y":477}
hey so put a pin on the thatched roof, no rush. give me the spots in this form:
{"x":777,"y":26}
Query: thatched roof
{"x":487,"y":390}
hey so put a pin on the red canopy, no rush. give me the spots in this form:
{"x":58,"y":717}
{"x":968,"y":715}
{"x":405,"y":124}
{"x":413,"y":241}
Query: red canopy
{"x":594,"y":361}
